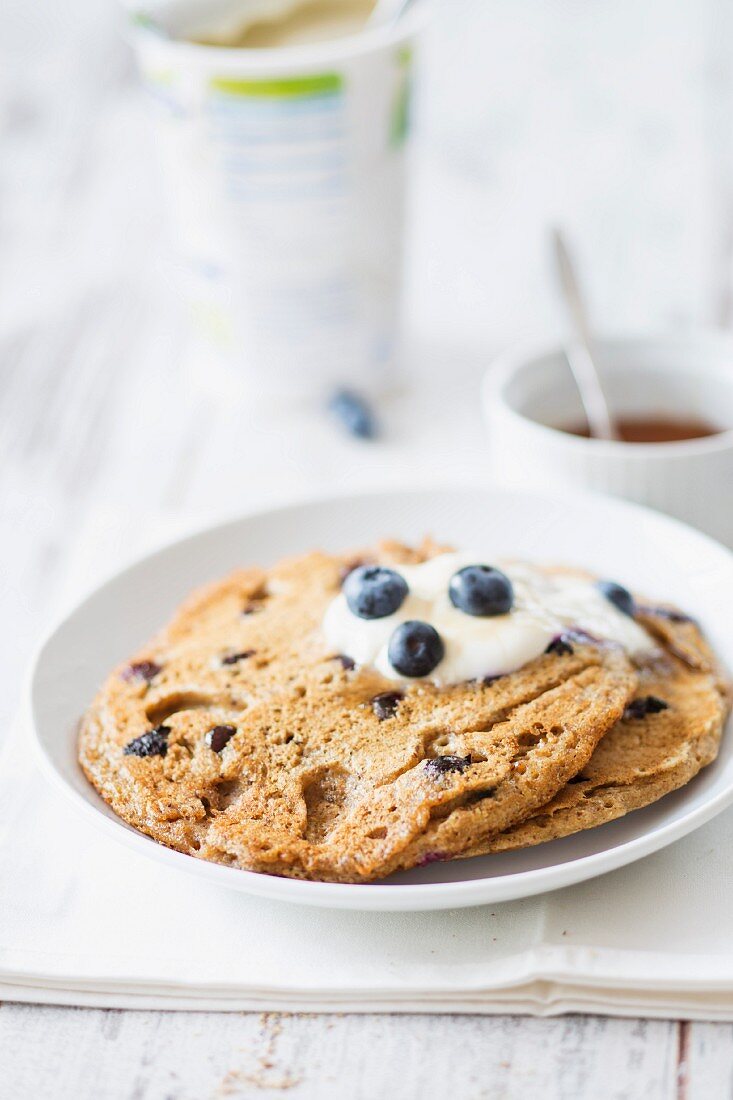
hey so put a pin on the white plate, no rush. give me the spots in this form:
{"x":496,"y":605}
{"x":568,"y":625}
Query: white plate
{"x":659,"y":556}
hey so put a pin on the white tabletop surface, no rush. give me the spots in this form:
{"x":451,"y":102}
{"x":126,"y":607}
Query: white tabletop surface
{"x":524,"y":119}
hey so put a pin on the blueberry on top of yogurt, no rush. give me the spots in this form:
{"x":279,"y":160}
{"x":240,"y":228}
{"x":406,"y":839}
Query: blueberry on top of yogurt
{"x":619,"y":596}
{"x":373,"y":591}
{"x":481,"y":590}
{"x":415,"y":648}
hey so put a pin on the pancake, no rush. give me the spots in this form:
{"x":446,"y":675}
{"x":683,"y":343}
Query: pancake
{"x":236,"y":736}
{"x":645,"y":755}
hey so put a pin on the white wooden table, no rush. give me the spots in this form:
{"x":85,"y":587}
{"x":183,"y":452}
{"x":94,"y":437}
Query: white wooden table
{"x":104,"y":409}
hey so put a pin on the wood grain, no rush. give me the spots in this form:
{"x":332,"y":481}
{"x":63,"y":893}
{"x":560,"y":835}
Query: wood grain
{"x":192,"y":1056}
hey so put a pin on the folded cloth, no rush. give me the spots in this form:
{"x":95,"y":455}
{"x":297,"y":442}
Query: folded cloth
{"x":85,"y":921}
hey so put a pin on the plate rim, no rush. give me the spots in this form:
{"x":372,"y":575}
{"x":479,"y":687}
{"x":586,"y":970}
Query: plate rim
{"x":401,"y":897}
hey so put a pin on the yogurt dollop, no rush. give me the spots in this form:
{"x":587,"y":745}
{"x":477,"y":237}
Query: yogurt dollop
{"x":545,"y":605}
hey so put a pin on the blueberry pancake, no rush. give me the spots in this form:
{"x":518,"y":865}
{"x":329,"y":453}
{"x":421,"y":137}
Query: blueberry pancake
{"x":668,"y":732}
{"x":339,"y":718}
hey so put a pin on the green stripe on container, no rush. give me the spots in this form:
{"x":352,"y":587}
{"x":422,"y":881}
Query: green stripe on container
{"x":141,"y":19}
{"x":291,"y":88}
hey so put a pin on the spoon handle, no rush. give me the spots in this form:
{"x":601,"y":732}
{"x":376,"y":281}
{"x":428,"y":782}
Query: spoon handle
{"x":580,"y":353}
{"x":388,"y":11}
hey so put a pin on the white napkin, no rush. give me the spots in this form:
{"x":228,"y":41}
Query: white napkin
{"x":85,"y":921}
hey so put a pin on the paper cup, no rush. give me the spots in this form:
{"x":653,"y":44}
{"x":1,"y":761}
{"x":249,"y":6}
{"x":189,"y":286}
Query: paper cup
{"x":286,"y":173}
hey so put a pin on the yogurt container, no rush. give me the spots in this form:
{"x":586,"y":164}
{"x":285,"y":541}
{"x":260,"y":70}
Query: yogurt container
{"x":286,"y":171}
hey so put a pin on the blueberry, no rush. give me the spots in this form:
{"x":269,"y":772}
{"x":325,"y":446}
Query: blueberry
{"x":415,"y":648}
{"x":647,"y":704}
{"x":152,"y":743}
{"x":235,"y":658}
{"x":373,"y":592}
{"x":141,"y":670}
{"x":481,"y":590}
{"x":481,"y":796}
{"x":560,"y":646}
{"x":220,"y":736}
{"x":385,"y":705}
{"x":252,"y":607}
{"x":619,"y":596}
{"x":347,"y":663}
{"x":439,"y":765}
{"x":431,"y":857}
{"x":354,"y":413}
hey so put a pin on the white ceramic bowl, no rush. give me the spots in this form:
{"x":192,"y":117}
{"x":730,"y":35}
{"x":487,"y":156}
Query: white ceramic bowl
{"x":528,"y":393}
{"x":660,"y":557}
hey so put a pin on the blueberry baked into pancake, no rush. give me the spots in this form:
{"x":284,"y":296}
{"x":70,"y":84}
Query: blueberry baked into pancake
{"x":343,"y":717}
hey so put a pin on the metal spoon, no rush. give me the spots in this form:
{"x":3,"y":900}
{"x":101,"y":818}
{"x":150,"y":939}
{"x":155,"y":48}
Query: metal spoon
{"x":388,"y":11}
{"x":579,"y":351}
